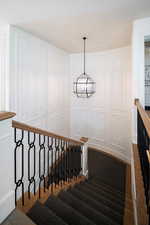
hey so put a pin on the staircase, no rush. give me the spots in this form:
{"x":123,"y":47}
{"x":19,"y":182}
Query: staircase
{"x":88,"y":203}
{"x":66,"y":188}
{"x":100,"y":200}
{"x":65,"y":195}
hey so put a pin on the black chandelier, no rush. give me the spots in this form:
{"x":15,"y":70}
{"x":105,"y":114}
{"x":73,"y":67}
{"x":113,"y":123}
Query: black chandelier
{"x":84,"y":87}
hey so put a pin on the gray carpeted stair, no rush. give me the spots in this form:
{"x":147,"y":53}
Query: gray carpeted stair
{"x":92,"y":202}
{"x":99,"y":197}
{"x":66,"y":212}
{"x":42,"y":215}
{"x":106,"y":210}
{"x":88,"y":211}
{"x":114,"y":191}
{"x":104,"y":193}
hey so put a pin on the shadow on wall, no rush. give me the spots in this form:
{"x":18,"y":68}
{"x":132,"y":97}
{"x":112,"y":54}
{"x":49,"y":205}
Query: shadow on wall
{"x":110,"y":170}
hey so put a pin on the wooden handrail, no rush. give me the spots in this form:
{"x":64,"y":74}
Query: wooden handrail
{"x":144,"y":116}
{"x":6,"y":115}
{"x":148,"y":156}
{"x":84,"y":139}
{"x":141,"y":206}
{"x":22,"y":126}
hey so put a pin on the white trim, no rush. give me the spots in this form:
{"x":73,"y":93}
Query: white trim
{"x":112,"y":152}
{"x":85,"y":160}
{"x":7,"y":205}
{"x":4,"y":68}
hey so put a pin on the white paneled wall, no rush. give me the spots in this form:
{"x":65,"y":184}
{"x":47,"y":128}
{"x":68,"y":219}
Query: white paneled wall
{"x":58,"y":91}
{"x":36,"y":75}
{"x":40,"y":88}
{"x":147,"y":75}
{"x":7,"y":201}
{"x":39,"y":74}
{"x":105,"y":117}
{"x":4,"y":67}
{"x":39,"y":81}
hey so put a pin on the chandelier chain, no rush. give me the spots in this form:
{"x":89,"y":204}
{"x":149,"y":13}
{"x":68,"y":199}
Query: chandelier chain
{"x":84,"y":53}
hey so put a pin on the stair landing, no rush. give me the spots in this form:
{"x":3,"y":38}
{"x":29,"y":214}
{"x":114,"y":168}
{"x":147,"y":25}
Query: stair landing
{"x":18,"y":218}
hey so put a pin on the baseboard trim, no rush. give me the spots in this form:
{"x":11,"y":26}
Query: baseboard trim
{"x":113,"y":150}
{"x":110,"y":152}
{"x":7,"y":205}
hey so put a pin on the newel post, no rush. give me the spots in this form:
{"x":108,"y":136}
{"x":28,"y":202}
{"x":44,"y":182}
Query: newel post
{"x":84,"y":159}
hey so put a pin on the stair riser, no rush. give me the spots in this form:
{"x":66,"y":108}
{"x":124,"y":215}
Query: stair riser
{"x":85,"y":209}
{"x":97,"y":205}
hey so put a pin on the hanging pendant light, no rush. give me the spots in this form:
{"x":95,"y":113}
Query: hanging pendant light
{"x":84,"y":87}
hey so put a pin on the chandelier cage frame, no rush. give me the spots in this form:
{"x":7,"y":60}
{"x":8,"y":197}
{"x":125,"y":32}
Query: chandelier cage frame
{"x":84,"y":86}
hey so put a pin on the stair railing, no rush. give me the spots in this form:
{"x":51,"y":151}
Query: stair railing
{"x":143,"y":142}
{"x":43,"y":160}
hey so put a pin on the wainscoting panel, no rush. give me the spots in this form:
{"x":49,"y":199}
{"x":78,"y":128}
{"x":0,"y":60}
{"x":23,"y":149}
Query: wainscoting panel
{"x":39,"y":74}
{"x":39,"y":93}
{"x":4,"y":67}
{"x":105,"y":118}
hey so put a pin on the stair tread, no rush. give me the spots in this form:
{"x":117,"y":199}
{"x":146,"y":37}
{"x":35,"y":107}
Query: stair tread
{"x":66,"y":212}
{"x":111,"y":170}
{"x":103,"y":184}
{"x":112,"y":197}
{"x":42,"y":215}
{"x":88,"y":199}
{"x":111,"y":190}
{"x":100,"y":198}
{"x":106,"y":188}
{"x":85,"y":209}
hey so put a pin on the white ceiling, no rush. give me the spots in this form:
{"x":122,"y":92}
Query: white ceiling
{"x":106,"y":23}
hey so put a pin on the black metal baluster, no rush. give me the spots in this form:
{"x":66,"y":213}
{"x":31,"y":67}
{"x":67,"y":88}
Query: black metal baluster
{"x":66,"y":167}
{"x":62,"y":161}
{"x":55,"y":175}
{"x":19,"y":182}
{"x":80,"y":157}
{"x":68,"y":162}
{"x":74,"y":162}
{"x":59,"y":162}
{"x":50,"y":160}
{"x":31,"y":179}
{"x":41,"y":175}
{"x":52,"y":167}
{"x":70,"y":165}
{"x":56,"y":162}
{"x":143,"y":146}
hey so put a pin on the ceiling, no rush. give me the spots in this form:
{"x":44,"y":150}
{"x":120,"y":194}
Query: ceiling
{"x":106,"y":23}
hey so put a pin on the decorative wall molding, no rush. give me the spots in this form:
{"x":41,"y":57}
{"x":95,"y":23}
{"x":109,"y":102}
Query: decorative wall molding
{"x":6,"y":173}
{"x":39,"y":74}
{"x":4,"y":68}
{"x":38,"y":80}
{"x":105,"y":118}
